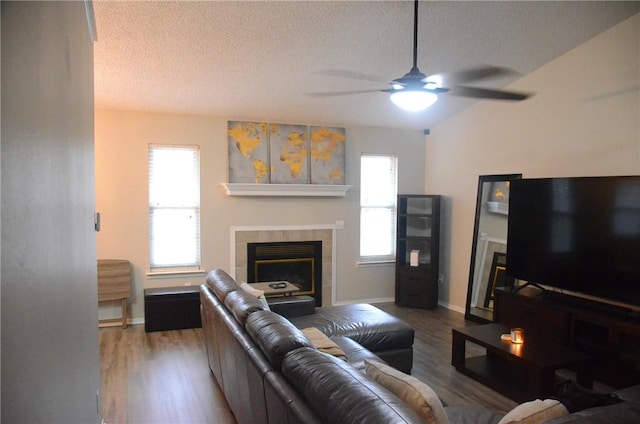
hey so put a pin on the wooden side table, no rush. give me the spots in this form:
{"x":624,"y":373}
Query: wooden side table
{"x":114,"y":283}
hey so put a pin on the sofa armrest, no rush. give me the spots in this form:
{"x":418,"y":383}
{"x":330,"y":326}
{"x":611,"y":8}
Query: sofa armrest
{"x":292,"y":306}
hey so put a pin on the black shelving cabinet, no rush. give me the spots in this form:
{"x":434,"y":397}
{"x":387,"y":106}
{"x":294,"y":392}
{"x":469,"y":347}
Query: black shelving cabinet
{"x":417,"y":250}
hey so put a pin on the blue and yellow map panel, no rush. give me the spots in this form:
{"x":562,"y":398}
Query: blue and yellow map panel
{"x":289,"y":154}
{"x":327,"y":155}
{"x":248,"y":152}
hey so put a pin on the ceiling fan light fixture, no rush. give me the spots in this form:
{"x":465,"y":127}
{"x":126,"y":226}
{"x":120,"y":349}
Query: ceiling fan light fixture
{"x":413,"y":100}
{"x":432,"y":85}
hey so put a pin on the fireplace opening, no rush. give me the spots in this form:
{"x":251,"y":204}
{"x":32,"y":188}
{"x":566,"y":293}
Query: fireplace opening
{"x":298,"y":262}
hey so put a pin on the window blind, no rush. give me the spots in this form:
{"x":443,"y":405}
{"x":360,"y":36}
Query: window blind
{"x":174,"y":206}
{"x":378,"y":196}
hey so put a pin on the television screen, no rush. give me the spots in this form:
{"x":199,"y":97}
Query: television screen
{"x":578,"y":234}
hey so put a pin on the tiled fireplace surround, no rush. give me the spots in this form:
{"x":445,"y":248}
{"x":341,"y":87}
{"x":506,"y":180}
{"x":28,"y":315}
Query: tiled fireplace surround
{"x":240,"y":236}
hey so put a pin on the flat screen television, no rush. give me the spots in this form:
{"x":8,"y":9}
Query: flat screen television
{"x":578,"y":234}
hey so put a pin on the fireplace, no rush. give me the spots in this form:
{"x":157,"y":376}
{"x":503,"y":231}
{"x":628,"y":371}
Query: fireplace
{"x":298,"y":262}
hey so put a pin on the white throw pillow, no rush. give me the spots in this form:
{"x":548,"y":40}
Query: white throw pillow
{"x":259,"y":294}
{"x":535,"y":411}
{"x":414,"y":392}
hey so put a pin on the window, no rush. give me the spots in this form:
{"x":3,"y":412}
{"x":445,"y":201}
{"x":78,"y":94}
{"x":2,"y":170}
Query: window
{"x":174,"y":206}
{"x":378,"y":194}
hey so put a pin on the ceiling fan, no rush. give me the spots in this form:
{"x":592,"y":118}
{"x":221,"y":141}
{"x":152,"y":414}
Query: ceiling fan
{"x":416,"y":91}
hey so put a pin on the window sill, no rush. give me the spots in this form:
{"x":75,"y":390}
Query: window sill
{"x":382,"y":262}
{"x":176,"y":273}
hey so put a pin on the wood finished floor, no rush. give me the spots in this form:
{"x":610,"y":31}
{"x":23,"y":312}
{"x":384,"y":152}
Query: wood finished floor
{"x":160,"y":377}
{"x":432,"y":357}
{"x":163,"y":377}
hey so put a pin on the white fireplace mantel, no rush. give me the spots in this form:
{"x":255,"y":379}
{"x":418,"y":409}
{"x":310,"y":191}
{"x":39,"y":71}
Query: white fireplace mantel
{"x":290,"y":190}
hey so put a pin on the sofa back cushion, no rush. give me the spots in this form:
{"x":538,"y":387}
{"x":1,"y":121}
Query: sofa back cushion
{"x":275,"y":335}
{"x":241,"y":304}
{"x":337,"y":392}
{"x":284,"y":403}
{"x":221,"y":283}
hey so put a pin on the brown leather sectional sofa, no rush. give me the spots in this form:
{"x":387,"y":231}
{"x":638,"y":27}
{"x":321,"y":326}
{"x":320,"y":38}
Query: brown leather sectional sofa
{"x":247,"y":348}
{"x":271,"y":373}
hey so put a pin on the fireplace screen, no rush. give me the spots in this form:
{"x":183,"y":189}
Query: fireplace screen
{"x":298,"y":262}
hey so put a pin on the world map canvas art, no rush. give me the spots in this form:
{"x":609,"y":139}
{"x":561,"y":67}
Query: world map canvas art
{"x":262,"y":153}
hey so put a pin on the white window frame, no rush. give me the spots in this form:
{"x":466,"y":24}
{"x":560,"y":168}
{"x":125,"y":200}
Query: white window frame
{"x":372,"y":202}
{"x":172,"y":192}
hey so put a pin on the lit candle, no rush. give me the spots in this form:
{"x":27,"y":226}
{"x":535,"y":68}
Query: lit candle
{"x":517,"y":335}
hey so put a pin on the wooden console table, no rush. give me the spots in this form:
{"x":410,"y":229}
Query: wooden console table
{"x":114,"y":283}
{"x":521,"y":372}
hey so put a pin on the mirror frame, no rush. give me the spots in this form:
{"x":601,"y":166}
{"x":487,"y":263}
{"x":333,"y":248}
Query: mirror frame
{"x":482,"y":179}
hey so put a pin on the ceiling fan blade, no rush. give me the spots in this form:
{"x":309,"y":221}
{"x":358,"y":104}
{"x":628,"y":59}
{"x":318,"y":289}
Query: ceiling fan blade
{"x":342,"y":93}
{"x":473,"y":74}
{"x":484,"y":93}
{"x":354,"y":75}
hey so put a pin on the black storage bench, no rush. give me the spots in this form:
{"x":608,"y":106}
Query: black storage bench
{"x":172,"y":308}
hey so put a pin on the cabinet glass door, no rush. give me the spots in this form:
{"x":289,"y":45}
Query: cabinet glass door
{"x":419,"y":205}
{"x":423,"y":249}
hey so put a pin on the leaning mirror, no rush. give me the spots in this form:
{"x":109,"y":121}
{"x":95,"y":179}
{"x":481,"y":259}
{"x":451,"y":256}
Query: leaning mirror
{"x":489,"y":246}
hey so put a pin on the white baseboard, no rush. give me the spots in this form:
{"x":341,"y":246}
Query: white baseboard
{"x":451,"y":307}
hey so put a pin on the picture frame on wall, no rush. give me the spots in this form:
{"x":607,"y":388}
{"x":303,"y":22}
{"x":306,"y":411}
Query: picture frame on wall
{"x":248,"y":152}
{"x":327,"y":153}
{"x":272,"y":153}
{"x":497,"y":277}
{"x":289,"y":154}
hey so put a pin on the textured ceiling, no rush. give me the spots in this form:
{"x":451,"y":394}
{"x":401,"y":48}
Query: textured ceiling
{"x":256,"y":60}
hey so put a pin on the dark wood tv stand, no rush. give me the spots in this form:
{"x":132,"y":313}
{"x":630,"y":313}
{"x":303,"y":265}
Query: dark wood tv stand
{"x":608,"y":333}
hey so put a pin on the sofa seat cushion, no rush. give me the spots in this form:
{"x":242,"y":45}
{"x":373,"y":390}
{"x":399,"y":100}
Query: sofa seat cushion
{"x":338,"y":393}
{"x":275,"y":335}
{"x":369,"y":326}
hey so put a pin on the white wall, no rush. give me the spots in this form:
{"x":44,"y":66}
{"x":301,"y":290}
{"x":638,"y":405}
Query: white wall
{"x":584,"y":120}
{"x":122,"y":139}
{"x":50,"y":357}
